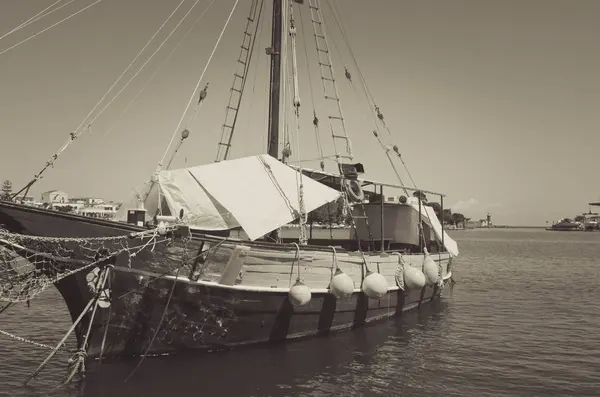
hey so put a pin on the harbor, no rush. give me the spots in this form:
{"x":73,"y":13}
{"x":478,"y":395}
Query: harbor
{"x":588,"y":221}
{"x":193,"y":233}
{"x":490,"y":351}
{"x":298,"y":198}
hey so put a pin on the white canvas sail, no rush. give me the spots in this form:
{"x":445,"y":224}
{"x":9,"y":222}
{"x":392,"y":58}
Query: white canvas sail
{"x":431,"y":218}
{"x":181,"y":191}
{"x":178,"y":190}
{"x":260,"y":192}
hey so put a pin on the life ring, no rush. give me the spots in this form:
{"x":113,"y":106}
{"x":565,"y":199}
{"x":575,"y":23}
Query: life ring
{"x":354,"y":190}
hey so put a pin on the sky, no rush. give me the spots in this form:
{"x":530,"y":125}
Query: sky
{"x":494,"y":103}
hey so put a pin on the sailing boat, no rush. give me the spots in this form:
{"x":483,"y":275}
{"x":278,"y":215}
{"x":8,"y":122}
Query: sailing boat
{"x":168,"y":276}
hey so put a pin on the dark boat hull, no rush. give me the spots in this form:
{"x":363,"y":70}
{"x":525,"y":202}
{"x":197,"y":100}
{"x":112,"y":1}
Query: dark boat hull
{"x":201,"y":315}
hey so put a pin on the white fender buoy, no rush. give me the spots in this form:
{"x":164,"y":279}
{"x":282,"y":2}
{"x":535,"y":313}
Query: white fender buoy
{"x":299,"y":294}
{"x":161,"y":228}
{"x":374,"y":285}
{"x":430,"y":269}
{"x":413,"y":277}
{"x":341,"y":285}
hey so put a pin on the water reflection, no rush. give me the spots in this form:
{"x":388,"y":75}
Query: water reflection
{"x":347,"y":363}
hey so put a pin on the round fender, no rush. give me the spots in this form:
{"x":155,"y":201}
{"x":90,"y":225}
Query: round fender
{"x":354,"y":190}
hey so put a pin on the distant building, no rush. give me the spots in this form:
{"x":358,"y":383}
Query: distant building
{"x":105,"y":212}
{"x":75,"y":207}
{"x":86,"y":201}
{"x":96,"y":207}
{"x":55,"y":197}
{"x":64,"y":207}
{"x":110,"y":206}
{"x":88,"y":206}
{"x":487,"y":222}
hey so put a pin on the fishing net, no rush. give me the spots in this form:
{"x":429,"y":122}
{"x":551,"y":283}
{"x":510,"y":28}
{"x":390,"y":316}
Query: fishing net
{"x":31,"y":264}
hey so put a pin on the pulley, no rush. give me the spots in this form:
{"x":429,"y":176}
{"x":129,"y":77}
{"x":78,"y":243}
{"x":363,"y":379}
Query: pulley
{"x":379,"y":114}
{"x":203,"y":93}
{"x":348,"y":75}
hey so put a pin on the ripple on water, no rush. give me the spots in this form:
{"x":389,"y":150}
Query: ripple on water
{"x":521,"y":321}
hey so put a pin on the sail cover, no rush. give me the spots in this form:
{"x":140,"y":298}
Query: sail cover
{"x":431,"y":218}
{"x":258,"y":193}
{"x":180,"y":191}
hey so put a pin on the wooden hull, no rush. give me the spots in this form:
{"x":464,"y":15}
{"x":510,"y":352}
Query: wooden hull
{"x":204,"y":312}
{"x":204,"y":317}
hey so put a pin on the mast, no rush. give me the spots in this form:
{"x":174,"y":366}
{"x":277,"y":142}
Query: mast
{"x":275,"y":79}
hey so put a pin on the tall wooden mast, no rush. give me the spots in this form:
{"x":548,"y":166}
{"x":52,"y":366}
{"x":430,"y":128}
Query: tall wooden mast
{"x":275,"y":78}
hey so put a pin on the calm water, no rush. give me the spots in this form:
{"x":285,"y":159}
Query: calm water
{"x":523,"y":320}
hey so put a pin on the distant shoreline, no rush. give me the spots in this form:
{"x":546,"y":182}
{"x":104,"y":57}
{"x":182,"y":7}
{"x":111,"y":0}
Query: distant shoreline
{"x":498,"y":227}
{"x":513,"y":227}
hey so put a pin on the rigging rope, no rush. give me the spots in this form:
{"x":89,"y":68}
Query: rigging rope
{"x":369,"y":94}
{"x":48,"y":28}
{"x":163,"y":63}
{"x":260,"y":40}
{"x":267,"y":94}
{"x":320,"y":33}
{"x":332,"y":40}
{"x":187,"y":107}
{"x":376,"y":132}
{"x":330,"y":158}
{"x":76,"y":133}
{"x":303,"y":238}
{"x":334,"y":10}
{"x":312,"y":97}
{"x":46,"y":14}
{"x":35,"y":17}
{"x":31,"y":264}
{"x":387,"y":154}
{"x":363,"y":80}
{"x":285,"y":89}
{"x":197,"y":86}
{"x":145,"y":63}
{"x":222,"y":154}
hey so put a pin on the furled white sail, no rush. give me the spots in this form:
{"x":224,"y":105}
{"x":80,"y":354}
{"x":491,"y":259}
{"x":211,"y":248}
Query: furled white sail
{"x":430,"y":217}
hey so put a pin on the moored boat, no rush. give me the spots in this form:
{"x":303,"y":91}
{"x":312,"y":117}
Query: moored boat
{"x":566,"y":225}
{"x":167,"y":276}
